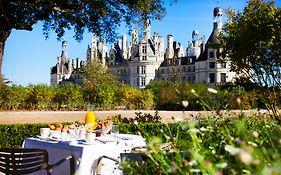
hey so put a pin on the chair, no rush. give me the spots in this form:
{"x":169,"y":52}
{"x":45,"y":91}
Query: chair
{"x":26,"y":160}
{"x":137,"y":154}
{"x":135,"y":157}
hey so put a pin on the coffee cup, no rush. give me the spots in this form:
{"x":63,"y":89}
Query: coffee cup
{"x":44,"y":132}
{"x":55,"y":134}
{"x":82,"y":132}
{"x":90,"y":137}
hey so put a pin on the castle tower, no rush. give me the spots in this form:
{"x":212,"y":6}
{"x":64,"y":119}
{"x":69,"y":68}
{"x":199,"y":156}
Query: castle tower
{"x":156,"y":41}
{"x":124,"y":46}
{"x":64,"y":55}
{"x":94,"y":49}
{"x":146,"y":27}
{"x":135,"y":37}
{"x":195,"y":34}
{"x":217,"y":18}
{"x":170,"y":48}
{"x":103,"y":50}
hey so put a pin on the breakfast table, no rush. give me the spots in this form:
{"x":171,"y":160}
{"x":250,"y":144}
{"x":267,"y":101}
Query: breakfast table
{"x":86,"y":154}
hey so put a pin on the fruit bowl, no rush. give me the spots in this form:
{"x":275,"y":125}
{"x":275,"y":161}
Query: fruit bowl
{"x":103,"y":128}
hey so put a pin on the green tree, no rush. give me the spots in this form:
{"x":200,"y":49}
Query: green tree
{"x":101,"y":17}
{"x":252,"y":40}
{"x":69,"y":97}
{"x":94,"y":75}
{"x":40,"y":96}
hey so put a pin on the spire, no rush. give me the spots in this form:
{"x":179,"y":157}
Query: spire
{"x":217,"y":18}
{"x":135,"y":37}
{"x":146,"y":27}
{"x":64,"y":55}
{"x":217,"y":26}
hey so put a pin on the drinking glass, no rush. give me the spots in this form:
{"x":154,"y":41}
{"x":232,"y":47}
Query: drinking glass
{"x":114,"y":129}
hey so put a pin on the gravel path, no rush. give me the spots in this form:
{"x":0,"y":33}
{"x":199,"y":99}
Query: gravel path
{"x":71,"y":116}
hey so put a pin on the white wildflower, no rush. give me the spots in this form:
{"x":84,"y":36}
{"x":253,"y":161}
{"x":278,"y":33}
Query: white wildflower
{"x":185,"y":103}
{"x":212,"y":90}
{"x":193,"y":91}
{"x":238,"y":100}
{"x":135,"y":122}
{"x":221,"y":165}
{"x":172,"y":169}
{"x":194,"y":130}
{"x":255,"y":134}
{"x":195,"y":170}
{"x":246,"y":172}
{"x":232,"y":150}
{"x":252,"y":143}
{"x":203,"y":129}
{"x":192,"y":162}
{"x":245,"y":157}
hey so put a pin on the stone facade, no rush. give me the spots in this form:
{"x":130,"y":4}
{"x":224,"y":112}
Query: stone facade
{"x":136,"y":64}
{"x":201,"y":63}
{"x":144,"y":60}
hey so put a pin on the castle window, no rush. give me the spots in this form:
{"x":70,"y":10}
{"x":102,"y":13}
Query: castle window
{"x":212,"y":78}
{"x":144,"y":58}
{"x":163,"y":71}
{"x":193,"y":68}
{"x":212,"y":65}
{"x":142,"y":69}
{"x":212,"y":54}
{"x":189,"y":69}
{"x":138,"y":70}
{"x":183,"y":69}
{"x":223,"y":77}
{"x":223,"y":65}
{"x":142,"y":81}
{"x":144,"y":49}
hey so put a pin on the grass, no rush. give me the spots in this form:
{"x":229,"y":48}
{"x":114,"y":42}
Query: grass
{"x":213,"y":146}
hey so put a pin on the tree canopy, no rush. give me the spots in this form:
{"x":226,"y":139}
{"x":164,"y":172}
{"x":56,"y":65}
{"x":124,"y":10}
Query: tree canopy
{"x":101,"y":17}
{"x":252,"y":40}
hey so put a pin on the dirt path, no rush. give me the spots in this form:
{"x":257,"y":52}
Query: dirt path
{"x":71,"y":116}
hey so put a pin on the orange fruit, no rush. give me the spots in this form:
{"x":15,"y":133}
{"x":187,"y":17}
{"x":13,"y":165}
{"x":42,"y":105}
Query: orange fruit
{"x":90,"y":117}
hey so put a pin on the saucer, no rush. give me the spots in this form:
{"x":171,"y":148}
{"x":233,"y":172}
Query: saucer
{"x":42,"y":138}
{"x":86,"y":143}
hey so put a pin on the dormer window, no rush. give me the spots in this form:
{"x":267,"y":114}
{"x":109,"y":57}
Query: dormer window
{"x":212,"y":54}
{"x":144,"y":49}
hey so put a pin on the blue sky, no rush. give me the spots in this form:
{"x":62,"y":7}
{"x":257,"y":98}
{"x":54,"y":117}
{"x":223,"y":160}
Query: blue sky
{"x":28,"y":56}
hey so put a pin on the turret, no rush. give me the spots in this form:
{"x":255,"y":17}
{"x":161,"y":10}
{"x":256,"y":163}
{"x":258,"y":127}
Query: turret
{"x":170,"y":49}
{"x":195,"y":34}
{"x":156,"y":41}
{"x":64,"y":55}
{"x":146,"y":27}
{"x":214,"y":38}
{"x":217,"y":18}
{"x":124,"y":46}
{"x":135,"y":37}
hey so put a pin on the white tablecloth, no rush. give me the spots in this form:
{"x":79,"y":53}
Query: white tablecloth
{"x":86,"y":155}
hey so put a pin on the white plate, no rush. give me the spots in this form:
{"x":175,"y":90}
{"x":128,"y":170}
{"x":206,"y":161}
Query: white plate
{"x":106,"y":139}
{"x":126,"y":136}
{"x":86,"y":143}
